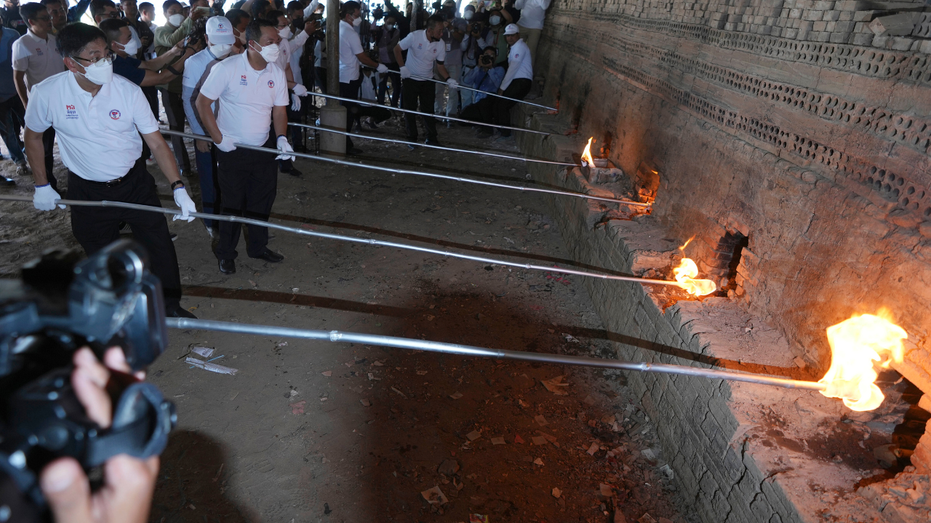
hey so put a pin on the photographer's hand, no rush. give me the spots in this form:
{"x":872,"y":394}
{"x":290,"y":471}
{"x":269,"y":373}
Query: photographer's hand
{"x":126,"y":495}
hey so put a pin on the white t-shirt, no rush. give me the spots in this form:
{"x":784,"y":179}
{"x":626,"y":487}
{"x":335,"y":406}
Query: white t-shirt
{"x":532,"y":13}
{"x":37,"y":57}
{"x":350,"y":45}
{"x":520,"y":64}
{"x":421,"y":53}
{"x":98,"y":135}
{"x":297,"y":50}
{"x":246,"y":98}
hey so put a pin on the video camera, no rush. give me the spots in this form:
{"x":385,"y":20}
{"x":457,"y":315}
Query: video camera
{"x":60,"y":305}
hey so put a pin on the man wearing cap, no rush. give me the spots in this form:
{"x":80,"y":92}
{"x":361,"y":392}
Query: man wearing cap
{"x":424,"y":48}
{"x":35,"y":58}
{"x":253,"y":93}
{"x":99,"y":118}
{"x":517,"y":80}
{"x":220,"y":41}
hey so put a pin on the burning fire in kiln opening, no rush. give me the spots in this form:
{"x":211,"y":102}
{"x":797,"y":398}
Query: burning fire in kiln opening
{"x":686,"y":274}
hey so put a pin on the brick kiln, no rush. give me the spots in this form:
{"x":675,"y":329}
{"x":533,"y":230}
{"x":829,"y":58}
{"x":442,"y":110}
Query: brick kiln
{"x":790,"y":139}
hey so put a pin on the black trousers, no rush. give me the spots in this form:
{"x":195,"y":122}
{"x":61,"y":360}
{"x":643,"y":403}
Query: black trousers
{"x":351,"y":91}
{"x":479,"y":111}
{"x":97,"y":227}
{"x":151,"y":95}
{"x":248,"y":185}
{"x":48,"y":143}
{"x":501,"y":115}
{"x":424,"y":92}
{"x":174,"y":109}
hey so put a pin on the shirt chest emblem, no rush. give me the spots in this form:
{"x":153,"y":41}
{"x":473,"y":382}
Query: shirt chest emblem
{"x":38,"y":52}
{"x":271,"y":84}
{"x":70,"y":112}
{"x":114,"y":115}
{"x":243,"y":80}
{"x":419,"y":46}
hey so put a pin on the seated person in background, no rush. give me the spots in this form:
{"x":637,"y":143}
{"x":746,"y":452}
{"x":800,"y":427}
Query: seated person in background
{"x":486,"y":77}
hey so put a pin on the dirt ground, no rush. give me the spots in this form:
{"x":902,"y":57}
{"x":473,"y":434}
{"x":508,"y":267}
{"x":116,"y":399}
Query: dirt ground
{"x":324,"y":432}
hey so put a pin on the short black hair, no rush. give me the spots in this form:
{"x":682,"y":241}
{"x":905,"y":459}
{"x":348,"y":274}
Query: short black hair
{"x":47,"y":3}
{"x":111,"y":27}
{"x":97,"y":6}
{"x":168,"y":3}
{"x":433,"y":20}
{"x":254,"y":31}
{"x":73,"y":38}
{"x":490,"y":48}
{"x":272,"y":16}
{"x":235,"y":16}
{"x":31,"y":10}
{"x":348,"y":7}
{"x":258,"y":6}
{"x":294,"y":5}
{"x":145,"y":6}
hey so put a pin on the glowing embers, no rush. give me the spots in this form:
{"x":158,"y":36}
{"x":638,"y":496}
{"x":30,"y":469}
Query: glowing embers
{"x":686,"y":274}
{"x":855,"y":345}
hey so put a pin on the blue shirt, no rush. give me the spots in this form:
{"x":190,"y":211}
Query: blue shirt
{"x":7,"y":86}
{"x":487,"y":80}
{"x":129,"y":69}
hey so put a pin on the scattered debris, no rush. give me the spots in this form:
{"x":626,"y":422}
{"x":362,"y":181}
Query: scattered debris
{"x":327,"y":373}
{"x":421,"y":373}
{"x":474,"y":435}
{"x":434,"y":496}
{"x":538,"y":461}
{"x":326,"y":509}
{"x":478,"y":518}
{"x":365,"y":403}
{"x":667,"y":471}
{"x":646,"y":518}
{"x":455,"y":395}
{"x":212,"y":367}
{"x":593,"y":448}
{"x":399,"y":392}
{"x":206,"y":352}
{"x":556,"y":385}
{"x":539,"y":440}
{"x":606,"y":490}
{"x":297,"y":408}
{"x":556,"y":492}
{"x":540,"y":420}
{"x":448,"y":467}
{"x":519,"y":440}
{"x":497,"y":441}
{"x":648,"y":454}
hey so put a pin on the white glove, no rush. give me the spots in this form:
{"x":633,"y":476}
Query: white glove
{"x":452,"y":83}
{"x":299,"y":90}
{"x":226,"y":145}
{"x":405,"y":72}
{"x":295,"y":102}
{"x":284,"y":148}
{"x":382,"y":68}
{"x":184,"y":202}
{"x":44,"y":198}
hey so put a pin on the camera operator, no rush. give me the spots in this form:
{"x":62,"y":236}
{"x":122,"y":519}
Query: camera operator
{"x":128,"y":483}
{"x":472,"y":45}
{"x":486,"y":77}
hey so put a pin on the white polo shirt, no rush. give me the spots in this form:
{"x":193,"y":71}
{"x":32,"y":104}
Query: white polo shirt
{"x":98,"y":135}
{"x":350,"y":45}
{"x":246,"y":98}
{"x":37,"y":57}
{"x":520,"y":64}
{"x":421,"y":53}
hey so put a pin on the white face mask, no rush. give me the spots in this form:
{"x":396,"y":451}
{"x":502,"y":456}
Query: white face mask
{"x":131,"y":47}
{"x":100,"y":72}
{"x":357,"y":22}
{"x":495,"y":20}
{"x":176,"y":20}
{"x":285,"y":33}
{"x":242,"y":38}
{"x":220,"y":51}
{"x":468,"y":15}
{"x":270,"y":52}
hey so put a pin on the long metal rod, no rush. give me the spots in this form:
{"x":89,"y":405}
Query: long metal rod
{"x":417,"y":173}
{"x":431,"y":115}
{"x":260,"y":223}
{"x":440,"y":147}
{"x":484,"y":92}
{"x":469,"y":350}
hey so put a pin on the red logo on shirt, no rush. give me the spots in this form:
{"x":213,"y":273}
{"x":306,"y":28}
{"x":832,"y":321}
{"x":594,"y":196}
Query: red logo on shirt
{"x":69,"y":107}
{"x":271,"y":84}
{"x":114,"y":115}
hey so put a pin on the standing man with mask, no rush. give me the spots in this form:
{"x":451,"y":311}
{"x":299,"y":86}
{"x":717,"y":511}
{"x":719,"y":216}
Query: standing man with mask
{"x":125,"y":47}
{"x":424,"y":48}
{"x":351,"y":56}
{"x":146,"y":35}
{"x":166,"y":37}
{"x":252,"y":95}
{"x":35,"y":58}
{"x":220,"y":41}
{"x":517,"y":81}
{"x":99,"y":119}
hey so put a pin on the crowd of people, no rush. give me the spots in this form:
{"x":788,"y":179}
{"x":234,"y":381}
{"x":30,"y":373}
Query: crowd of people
{"x":237,"y":76}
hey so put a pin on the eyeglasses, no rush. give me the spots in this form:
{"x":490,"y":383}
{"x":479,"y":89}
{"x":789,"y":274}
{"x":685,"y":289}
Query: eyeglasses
{"x":43,"y":18}
{"x":92,"y":61}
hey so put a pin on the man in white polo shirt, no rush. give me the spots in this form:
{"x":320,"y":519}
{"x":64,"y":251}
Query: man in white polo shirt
{"x":351,"y":57}
{"x":252,"y":93}
{"x":517,"y":80}
{"x":423,"y":48}
{"x":35,"y":58}
{"x":99,"y":118}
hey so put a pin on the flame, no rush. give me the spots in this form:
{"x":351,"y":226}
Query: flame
{"x":687,"y":271}
{"x":587,"y":153}
{"x":685,"y":275}
{"x":855,"y":344}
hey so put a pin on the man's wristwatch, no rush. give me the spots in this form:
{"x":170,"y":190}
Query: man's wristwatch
{"x":177,"y":183}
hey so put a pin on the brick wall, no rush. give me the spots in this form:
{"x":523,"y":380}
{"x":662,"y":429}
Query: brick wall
{"x":789,"y":122}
